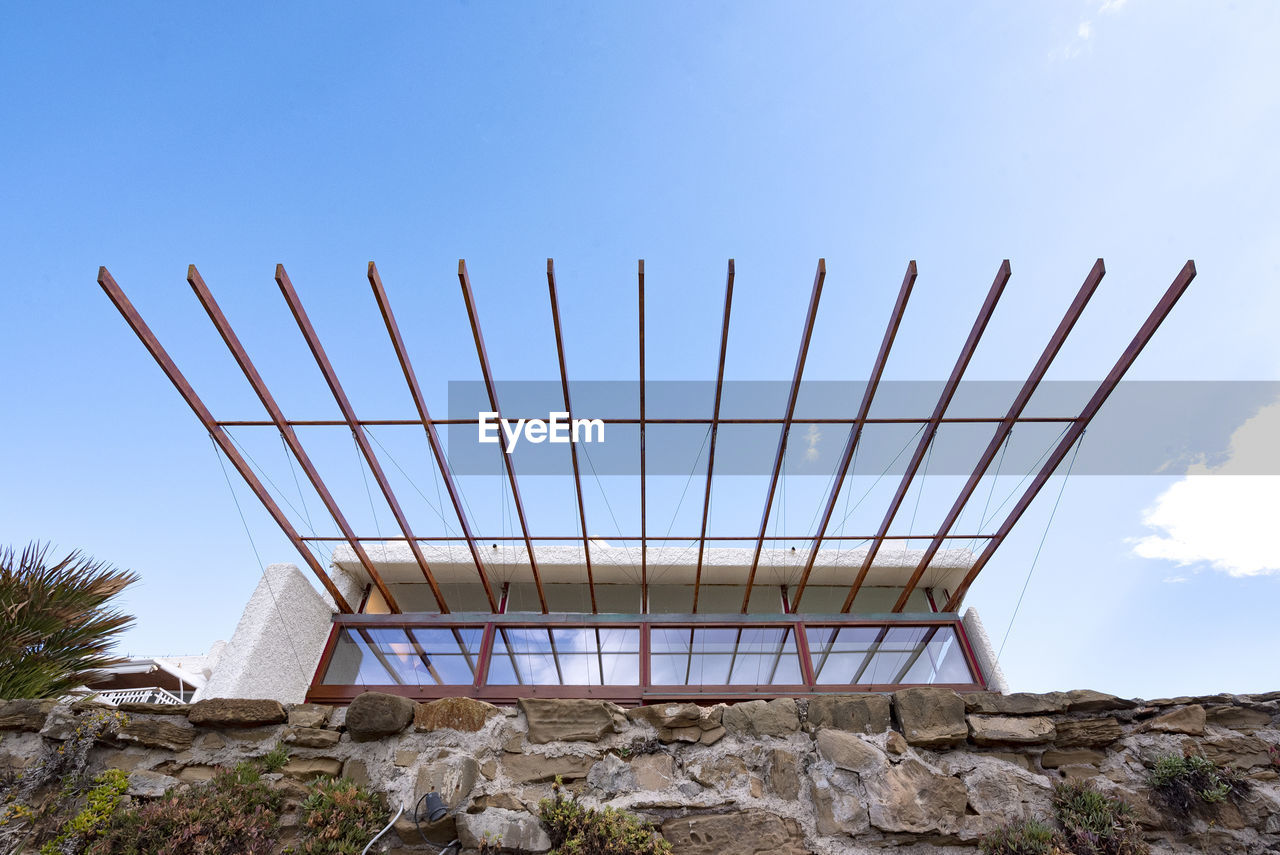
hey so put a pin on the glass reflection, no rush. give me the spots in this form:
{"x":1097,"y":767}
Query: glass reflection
{"x":404,"y":656}
{"x":724,"y":656}
{"x":868,"y":655}
{"x":575,"y":656}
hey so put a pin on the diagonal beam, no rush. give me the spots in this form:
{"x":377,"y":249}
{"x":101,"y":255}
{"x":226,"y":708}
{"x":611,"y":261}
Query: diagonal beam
{"x":573,"y":446}
{"x":1002,"y":431}
{"x":715,"y":426}
{"x":1108,"y":385}
{"x":433,"y":438}
{"x":211,"y":307}
{"x":644,"y":523}
{"x":357,"y":431}
{"x":931,"y":427}
{"x":818,"y":278}
{"x":855,"y":430}
{"x":469,"y":298}
{"x":162,"y":358}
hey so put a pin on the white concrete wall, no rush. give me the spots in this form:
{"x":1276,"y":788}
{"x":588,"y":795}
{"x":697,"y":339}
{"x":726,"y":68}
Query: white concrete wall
{"x":277,"y":643}
{"x":984,"y":652}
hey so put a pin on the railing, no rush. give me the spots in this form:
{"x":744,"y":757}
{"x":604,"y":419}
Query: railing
{"x":148,"y":695}
{"x":632,"y":658}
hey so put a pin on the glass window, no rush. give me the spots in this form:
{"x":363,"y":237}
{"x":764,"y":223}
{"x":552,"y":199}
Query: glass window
{"x":724,"y":656}
{"x":417,"y":656}
{"x":565,"y":656}
{"x":868,"y":655}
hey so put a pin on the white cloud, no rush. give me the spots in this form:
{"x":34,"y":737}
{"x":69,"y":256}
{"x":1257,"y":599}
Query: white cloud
{"x":812,"y":437}
{"x":1084,"y":30}
{"x":1112,"y":5}
{"x":1222,"y":515}
{"x":1174,"y":580}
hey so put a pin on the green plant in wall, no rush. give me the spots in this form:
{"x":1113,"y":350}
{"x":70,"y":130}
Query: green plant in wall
{"x":1182,"y":786}
{"x":1094,"y":823}
{"x":1028,"y":837}
{"x":340,"y":818}
{"x":35,"y":804}
{"x":274,"y":760}
{"x":234,"y":813}
{"x":579,"y":830}
{"x":101,"y":804}
{"x":56,"y":624}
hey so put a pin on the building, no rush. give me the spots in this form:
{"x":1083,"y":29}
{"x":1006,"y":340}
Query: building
{"x":526,"y":614}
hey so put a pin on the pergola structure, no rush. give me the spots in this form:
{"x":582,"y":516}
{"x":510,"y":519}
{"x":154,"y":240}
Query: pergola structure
{"x":642,"y":654}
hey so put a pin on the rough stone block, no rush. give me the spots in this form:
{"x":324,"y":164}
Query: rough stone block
{"x":569,"y":720}
{"x":1189,"y":720}
{"x":373,"y":715}
{"x":1242,"y":752}
{"x":463,"y":714}
{"x":149,"y":785}
{"x":1087,"y":700}
{"x":1087,"y":732}
{"x":1238,"y":718}
{"x":452,"y":776}
{"x":931,"y":718}
{"x":1010,"y":730}
{"x":140,"y":708}
{"x":783,"y":778}
{"x":777,"y":717}
{"x":308,"y":715}
{"x":25,"y":714}
{"x":855,"y":713}
{"x":849,"y":751}
{"x":721,"y":773}
{"x":667,"y":716}
{"x":751,"y":832}
{"x":311,"y":737}
{"x":911,"y":798}
{"x":1053,"y":758}
{"x":654,"y":772}
{"x":236,"y":712}
{"x":610,"y":777}
{"x":532,"y":768}
{"x":1018,"y":703}
{"x":309,"y":768}
{"x":517,"y":830}
{"x":158,"y":733}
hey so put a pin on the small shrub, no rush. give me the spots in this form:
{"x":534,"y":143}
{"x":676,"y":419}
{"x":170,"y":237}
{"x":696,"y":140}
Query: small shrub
{"x":274,"y":760}
{"x":235,"y":813}
{"x":101,"y":804}
{"x":1184,"y":785}
{"x":1028,"y":837}
{"x":1095,"y":824}
{"x":340,"y":818}
{"x":578,"y":830}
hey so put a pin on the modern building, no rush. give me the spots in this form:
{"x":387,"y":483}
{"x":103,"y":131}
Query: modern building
{"x":724,"y":616}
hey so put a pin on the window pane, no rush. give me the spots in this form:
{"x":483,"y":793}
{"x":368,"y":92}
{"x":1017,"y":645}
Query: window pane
{"x":565,"y":656}
{"x":720,"y":656}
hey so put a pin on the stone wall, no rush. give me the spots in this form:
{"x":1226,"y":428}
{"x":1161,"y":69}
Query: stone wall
{"x":923,"y":770}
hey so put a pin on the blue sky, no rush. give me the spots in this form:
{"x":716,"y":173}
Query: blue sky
{"x":146,"y":137}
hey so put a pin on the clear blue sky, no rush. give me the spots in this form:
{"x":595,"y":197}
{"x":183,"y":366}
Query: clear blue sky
{"x":322,"y":136}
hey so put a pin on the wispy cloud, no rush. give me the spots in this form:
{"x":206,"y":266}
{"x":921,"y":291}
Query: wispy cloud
{"x":1222,"y":515}
{"x":1175,"y":580}
{"x":1084,"y":31}
{"x":812,"y":437}
{"x":1112,"y":6}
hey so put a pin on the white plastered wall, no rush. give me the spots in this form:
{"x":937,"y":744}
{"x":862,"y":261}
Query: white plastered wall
{"x":984,"y":652}
{"x":277,"y":643}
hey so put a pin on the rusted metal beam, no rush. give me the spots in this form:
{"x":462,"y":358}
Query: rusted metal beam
{"x":810,"y":317}
{"x":1002,"y":431}
{"x":1108,"y":385}
{"x":644,"y":522}
{"x":433,"y":438}
{"x":573,"y":446}
{"x":715,"y":427}
{"x":855,"y":431}
{"x":577,"y":537}
{"x":469,"y":298}
{"x":229,"y":337}
{"x":899,"y":420}
{"x":362,"y":441}
{"x":931,"y":428}
{"x":162,"y":358}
